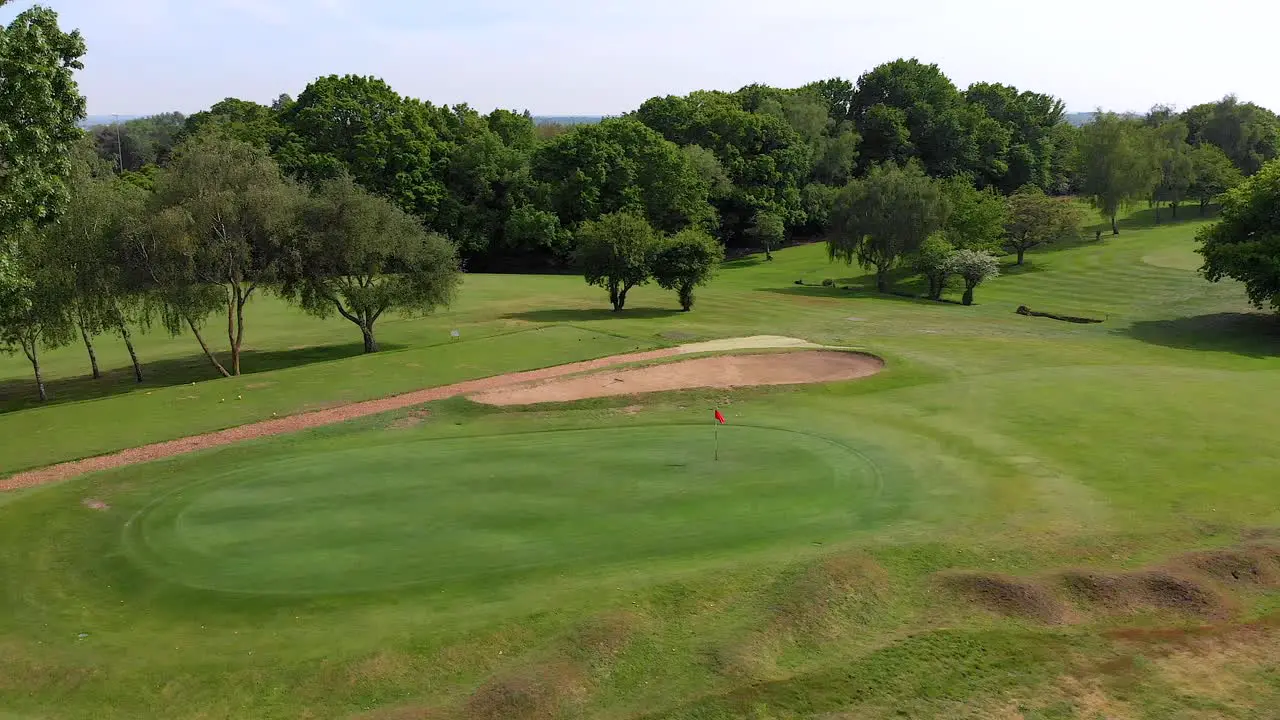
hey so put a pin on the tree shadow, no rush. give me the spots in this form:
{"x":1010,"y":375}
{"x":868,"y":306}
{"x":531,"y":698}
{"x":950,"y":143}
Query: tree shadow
{"x":574,"y":315}
{"x":19,"y":393}
{"x":1251,"y":334}
{"x":1026,"y":268}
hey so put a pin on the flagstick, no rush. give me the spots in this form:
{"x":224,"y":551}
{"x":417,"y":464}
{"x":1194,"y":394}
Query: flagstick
{"x":717,"y":434}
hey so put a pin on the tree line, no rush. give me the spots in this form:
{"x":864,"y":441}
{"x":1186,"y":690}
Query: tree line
{"x":354,"y":200}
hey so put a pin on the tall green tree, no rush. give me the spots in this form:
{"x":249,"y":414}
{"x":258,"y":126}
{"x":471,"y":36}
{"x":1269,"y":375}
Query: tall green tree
{"x":35,"y":305}
{"x":1119,"y":166}
{"x":685,"y":261}
{"x":766,"y":159}
{"x":1247,"y":133}
{"x":621,"y":165}
{"x":975,"y":218}
{"x":1176,"y":164}
{"x":933,"y":261}
{"x":243,"y":120}
{"x":86,"y":246}
{"x":1036,"y":219}
{"x":886,"y":215}
{"x":361,"y":126}
{"x":1244,"y":244}
{"x":360,"y":256}
{"x":1030,"y":120}
{"x":222,"y":217}
{"x":40,"y":105}
{"x":768,"y":230}
{"x":1213,"y":174}
{"x":616,"y":253}
{"x":137,"y":143}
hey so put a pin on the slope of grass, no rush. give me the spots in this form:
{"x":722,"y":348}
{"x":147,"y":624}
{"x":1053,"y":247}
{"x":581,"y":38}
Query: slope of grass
{"x":590,"y":560}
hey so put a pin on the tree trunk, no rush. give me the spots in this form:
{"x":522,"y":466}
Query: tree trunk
{"x":613,"y":296}
{"x":686,"y":297}
{"x":1204,"y":206}
{"x":1174,"y":207}
{"x":768,"y":251}
{"x":128,"y":343}
{"x":1157,"y":213}
{"x":93,"y":356}
{"x":370,"y":342}
{"x":205,"y":346}
{"x":32,"y":352}
{"x":621,"y":301}
{"x":235,"y":325}
{"x":1115,"y":229}
{"x":882,"y":279}
{"x":968,"y":294}
{"x":1022,"y":252}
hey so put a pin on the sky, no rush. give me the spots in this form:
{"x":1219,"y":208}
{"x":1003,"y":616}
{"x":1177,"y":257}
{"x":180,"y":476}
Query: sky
{"x":603,"y":57}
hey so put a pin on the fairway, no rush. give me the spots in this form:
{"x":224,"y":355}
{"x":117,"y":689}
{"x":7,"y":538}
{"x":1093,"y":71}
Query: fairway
{"x":496,"y":510}
{"x":980,"y":515}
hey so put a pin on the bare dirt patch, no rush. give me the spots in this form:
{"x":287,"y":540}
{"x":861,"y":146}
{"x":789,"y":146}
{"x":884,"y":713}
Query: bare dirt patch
{"x":410,"y":421}
{"x":725,"y":371}
{"x":1005,"y":595}
{"x":1247,"y":565}
{"x":98,"y":505}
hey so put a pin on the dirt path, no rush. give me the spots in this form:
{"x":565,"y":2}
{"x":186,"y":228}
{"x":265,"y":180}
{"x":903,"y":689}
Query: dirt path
{"x":330,"y":416}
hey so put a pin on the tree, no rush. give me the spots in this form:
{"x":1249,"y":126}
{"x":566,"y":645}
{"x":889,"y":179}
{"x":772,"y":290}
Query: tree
{"x":243,"y":120}
{"x":686,"y":260}
{"x":1247,"y":133}
{"x":86,"y":247}
{"x":40,"y":105}
{"x":221,"y":215}
{"x":974,"y":266}
{"x":1030,"y":119}
{"x":621,"y":165}
{"x":933,"y":261}
{"x":33,"y":302}
{"x":975,"y":218}
{"x":1244,"y":244}
{"x":360,"y":125}
{"x":1118,"y":166}
{"x":1176,"y":163}
{"x":884,"y":216}
{"x":361,"y":256}
{"x":615,"y":252}
{"x":1036,"y":219}
{"x":768,"y":230}
{"x":1212,"y":173}
{"x":137,"y":143}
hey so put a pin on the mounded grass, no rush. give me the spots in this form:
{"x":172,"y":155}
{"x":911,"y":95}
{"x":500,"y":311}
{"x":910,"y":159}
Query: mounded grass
{"x":1019,"y":517}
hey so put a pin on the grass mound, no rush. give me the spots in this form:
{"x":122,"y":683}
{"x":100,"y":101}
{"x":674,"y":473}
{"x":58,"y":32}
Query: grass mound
{"x":600,"y":639}
{"x":1156,"y":588}
{"x":1005,"y":595}
{"x":1249,"y":565}
{"x":534,"y":693}
{"x":843,"y":585}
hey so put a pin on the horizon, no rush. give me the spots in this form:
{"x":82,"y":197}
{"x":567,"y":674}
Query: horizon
{"x":574,"y":58}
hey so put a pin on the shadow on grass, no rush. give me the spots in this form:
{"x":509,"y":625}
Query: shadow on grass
{"x":572,"y":315}
{"x":1251,"y":334}
{"x":20,"y":393}
{"x":1028,"y":267}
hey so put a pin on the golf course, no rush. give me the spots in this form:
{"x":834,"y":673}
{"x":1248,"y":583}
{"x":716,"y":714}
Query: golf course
{"x":1014,"y":516}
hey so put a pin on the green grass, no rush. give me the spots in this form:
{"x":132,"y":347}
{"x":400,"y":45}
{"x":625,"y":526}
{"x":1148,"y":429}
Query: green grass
{"x":593,"y":560}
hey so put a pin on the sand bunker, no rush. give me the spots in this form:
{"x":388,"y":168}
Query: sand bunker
{"x":726,"y":371}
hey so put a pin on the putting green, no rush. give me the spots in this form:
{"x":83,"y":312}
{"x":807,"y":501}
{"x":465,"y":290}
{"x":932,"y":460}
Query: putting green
{"x":482,"y":511}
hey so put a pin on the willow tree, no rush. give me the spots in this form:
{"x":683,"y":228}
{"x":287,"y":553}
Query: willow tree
{"x":879,"y":219}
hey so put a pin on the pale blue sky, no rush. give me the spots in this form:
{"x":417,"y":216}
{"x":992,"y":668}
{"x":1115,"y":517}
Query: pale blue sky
{"x":600,"y":57}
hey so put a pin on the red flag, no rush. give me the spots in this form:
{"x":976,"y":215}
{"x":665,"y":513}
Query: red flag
{"x":720,"y":418}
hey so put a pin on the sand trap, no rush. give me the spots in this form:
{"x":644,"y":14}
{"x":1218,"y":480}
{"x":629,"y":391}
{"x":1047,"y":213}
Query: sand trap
{"x":343,"y":413}
{"x":726,"y":371}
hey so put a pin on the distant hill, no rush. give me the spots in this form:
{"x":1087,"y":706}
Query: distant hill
{"x":1084,"y":118}
{"x":95,"y":120}
{"x":567,"y":119}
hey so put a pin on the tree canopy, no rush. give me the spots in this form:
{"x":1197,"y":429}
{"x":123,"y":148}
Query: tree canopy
{"x":880,"y":218}
{"x":1244,"y":244}
{"x":1119,"y":166}
{"x":1036,"y":219}
{"x":616,"y":252}
{"x":684,"y":261}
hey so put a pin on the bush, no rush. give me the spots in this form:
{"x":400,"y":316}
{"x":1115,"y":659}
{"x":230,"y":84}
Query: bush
{"x":974,"y":266}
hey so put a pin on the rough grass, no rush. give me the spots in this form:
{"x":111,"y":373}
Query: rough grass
{"x":629,"y":575}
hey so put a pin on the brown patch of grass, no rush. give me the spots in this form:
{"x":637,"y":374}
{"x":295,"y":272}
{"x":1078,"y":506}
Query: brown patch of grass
{"x":1088,"y":700}
{"x":1220,"y":666}
{"x":1005,"y":595}
{"x":1248,"y":565}
{"x":385,"y":667}
{"x":534,"y":693}
{"x":94,"y":504}
{"x":412,"y":420}
{"x":752,"y":659}
{"x":600,"y":639}
{"x":1156,"y":588}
